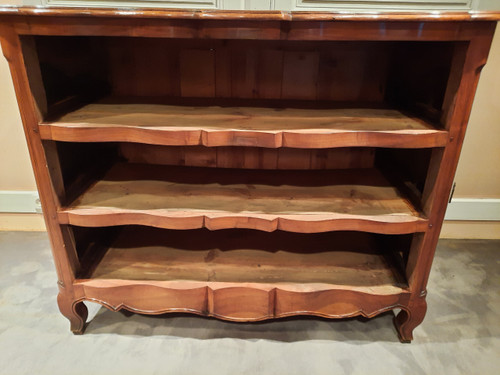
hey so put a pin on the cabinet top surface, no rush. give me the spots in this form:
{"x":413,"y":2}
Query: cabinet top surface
{"x":248,"y":15}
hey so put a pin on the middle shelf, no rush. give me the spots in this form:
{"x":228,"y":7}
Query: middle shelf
{"x":306,"y":201}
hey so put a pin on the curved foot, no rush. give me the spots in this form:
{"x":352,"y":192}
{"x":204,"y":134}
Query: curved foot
{"x":75,"y":312}
{"x":408,"y":319}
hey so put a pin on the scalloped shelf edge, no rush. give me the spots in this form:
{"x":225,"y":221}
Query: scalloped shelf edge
{"x":238,"y":303}
{"x":307,"y":139}
{"x":383,"y":224}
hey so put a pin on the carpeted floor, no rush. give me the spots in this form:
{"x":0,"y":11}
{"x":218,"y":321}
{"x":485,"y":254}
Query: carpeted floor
{"x":460,"y":335}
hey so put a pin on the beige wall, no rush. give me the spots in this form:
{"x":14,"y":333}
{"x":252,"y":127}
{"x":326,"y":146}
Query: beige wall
{"x":15,"y":167}
{"x":11,"y":2}
{"x":478,"y":175}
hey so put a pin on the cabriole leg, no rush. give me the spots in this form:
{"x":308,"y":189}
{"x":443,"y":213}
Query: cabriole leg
{"x":76,"y":313}
{"x":409,"y":318}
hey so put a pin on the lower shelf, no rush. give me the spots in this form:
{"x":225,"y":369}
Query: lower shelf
{"x":275,"y":275}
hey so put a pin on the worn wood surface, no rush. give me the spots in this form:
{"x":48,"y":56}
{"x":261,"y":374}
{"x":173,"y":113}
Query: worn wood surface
{"x":251,"y":257}
{"x":31,"y":106}
{"x":235,"y":302}
{"x":188,"y":198}
{"x":239,"y":126}
{"x":466,"y":68}
{"x":241,"y":25}
{"x":208,"y":14}
{"x":208,"y":273}
{"x":348,"y":200}
{"x":237,"y":69}
{"x":250,"y":157}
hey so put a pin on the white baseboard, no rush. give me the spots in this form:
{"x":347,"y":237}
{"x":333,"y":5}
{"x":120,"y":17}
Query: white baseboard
{"x":19,"y":201}
{"x":475,"y":209}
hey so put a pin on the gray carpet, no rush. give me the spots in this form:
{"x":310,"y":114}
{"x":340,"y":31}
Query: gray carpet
{"x":460,"y":335}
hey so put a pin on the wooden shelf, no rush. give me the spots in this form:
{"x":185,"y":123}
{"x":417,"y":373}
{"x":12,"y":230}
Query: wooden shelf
{"x":343,"y":260}
{"x":214,"y":198}
{"x":274,"y":274}
{"x":112,"y":120}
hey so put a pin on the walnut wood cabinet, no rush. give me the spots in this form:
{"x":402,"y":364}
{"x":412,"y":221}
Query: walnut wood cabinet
{"x":244,"y":165}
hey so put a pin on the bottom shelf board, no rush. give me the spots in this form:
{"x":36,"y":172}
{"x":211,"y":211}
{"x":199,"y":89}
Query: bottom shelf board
{"x":292,"y":261}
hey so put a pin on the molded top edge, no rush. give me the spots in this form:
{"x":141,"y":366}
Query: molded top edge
{"x":249,"y":15}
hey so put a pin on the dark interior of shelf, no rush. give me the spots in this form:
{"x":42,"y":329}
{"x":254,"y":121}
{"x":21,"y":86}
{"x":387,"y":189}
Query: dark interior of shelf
{"x":236,"y":255}
{"x":297,"y":74}
{"x":250,"y":73}
{"x":83,"y":164}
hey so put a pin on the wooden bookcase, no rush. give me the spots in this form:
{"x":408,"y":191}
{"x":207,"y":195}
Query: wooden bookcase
{"x":244,"y":166}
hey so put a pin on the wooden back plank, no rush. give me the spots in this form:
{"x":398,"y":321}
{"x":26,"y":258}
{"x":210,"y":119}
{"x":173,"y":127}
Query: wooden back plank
{"x":249,"y":157}
{"x":245,"y":69}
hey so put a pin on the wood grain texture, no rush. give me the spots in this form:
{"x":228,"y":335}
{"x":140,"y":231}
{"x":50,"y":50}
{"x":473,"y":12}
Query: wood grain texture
{"x":234,"y":302}
{"x":249,"y":157}
{"x":249,"y":15}
{"x":248,"y":29}
{"x":410,"y":317}
{"x":75,"y":312}
{"x":300,"y":75}
{"x":461,"y":88}
{"x":197,"y":68}
{"x":311,"y":202}
{"x":189,"y":198}
{"x":30,"y":100}
{"x":208,"y":273}
{"x":297,"y":262}
{"x":246,"y":69}
{"x":243,"y":126}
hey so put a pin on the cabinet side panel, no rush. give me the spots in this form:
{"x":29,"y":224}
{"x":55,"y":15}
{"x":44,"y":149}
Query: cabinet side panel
{"x":64,"y":256}
{"x":458,"y":104}
{"x":34,"y":74}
